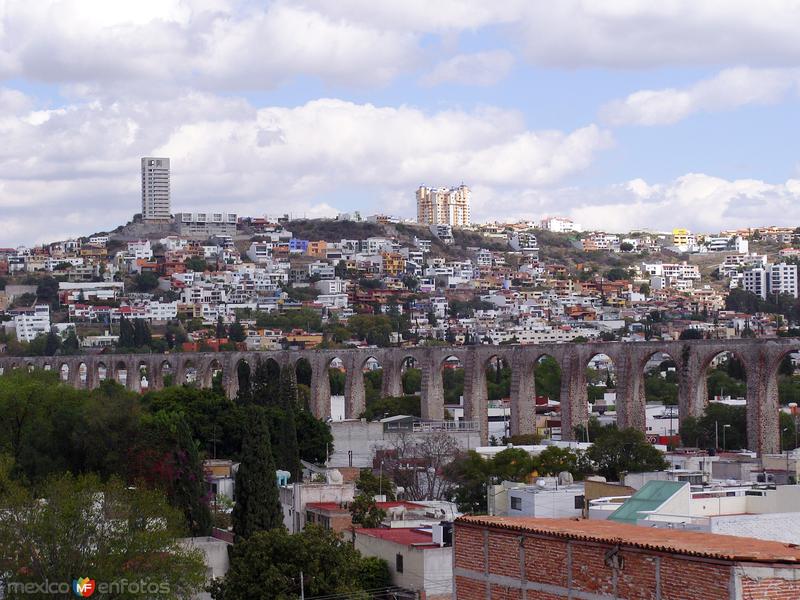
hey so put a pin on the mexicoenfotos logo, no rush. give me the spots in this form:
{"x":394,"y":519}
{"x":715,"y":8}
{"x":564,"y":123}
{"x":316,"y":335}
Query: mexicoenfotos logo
{"x":83,"y":587}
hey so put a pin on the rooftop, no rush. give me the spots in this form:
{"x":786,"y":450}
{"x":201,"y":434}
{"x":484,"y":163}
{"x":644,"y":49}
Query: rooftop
{"x":690,"y":543}
{"x":406,"y":536}
{"x":652,"y":495}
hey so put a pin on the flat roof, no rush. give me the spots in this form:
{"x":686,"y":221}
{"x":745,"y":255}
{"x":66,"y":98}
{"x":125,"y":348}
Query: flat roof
{"x":407,"y":536}
{"x":676,"y":541}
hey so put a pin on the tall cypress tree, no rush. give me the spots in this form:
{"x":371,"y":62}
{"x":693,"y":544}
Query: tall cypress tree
{"x":284,"y":423}
{"x":189,"y":491}
{"x":287,"y":391}
{"x":257,"y":505}
{"x":126,"y":334}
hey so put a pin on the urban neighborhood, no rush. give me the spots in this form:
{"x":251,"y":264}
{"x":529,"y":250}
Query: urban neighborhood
{"x":390,"y":356}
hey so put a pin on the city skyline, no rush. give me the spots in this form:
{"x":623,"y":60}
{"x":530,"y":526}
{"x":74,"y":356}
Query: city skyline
{"x":617,"y":130}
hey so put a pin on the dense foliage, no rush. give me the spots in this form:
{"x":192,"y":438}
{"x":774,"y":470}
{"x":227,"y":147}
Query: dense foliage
{"x":268,"y":565}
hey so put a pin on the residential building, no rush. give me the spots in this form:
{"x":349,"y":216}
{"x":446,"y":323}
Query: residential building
{"x":420,"y":559}
{"x":448,"y":206}
{"x":547,"y":497}
{"x":783,"y":279}
{"x":559,"y":225}
{"x":503,"y":557}
{"x":771,"y":280}
{"x":201,"y":226}
{"x":155,"y":189}
{"x":32,"y":322}
{"x":444,"y":233}
{"x":756,"y":281}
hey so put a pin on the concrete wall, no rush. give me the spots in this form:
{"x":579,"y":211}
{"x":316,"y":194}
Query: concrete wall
{"x":215,"y":556}
{"x":294,"y":498}
{"x":362,"y":438}
{"x":424,"y":569}
{"x":778,"y":527}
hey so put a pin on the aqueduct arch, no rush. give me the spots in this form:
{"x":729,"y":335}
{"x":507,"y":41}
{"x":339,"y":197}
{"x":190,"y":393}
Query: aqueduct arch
{"x":760,"y":357}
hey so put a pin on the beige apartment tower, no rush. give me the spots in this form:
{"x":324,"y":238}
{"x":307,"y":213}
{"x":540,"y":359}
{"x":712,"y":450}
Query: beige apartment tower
{"x":155,"y":189}
{"x":443,"y":206}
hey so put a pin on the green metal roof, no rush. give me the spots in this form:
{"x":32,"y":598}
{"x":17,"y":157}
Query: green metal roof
{"x":651,"y":495}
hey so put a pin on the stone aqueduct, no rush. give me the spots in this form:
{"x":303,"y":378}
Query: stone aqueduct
{"x":760,"y":358}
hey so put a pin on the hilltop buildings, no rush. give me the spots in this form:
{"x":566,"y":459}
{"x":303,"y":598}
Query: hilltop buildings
{"x":444,"y":206}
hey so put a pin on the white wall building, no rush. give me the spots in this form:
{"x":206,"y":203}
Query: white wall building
{"x":155,"y":189}
{"x":32,"y":323}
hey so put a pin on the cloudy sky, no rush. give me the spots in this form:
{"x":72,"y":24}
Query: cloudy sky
{"x":620,"y":113}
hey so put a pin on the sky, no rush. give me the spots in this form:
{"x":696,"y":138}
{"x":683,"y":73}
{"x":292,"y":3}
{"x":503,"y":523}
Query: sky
{"x":619,"y":114}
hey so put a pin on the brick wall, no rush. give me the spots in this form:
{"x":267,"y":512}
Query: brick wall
{"x":496,"y":563}
{"x":770,"y":589}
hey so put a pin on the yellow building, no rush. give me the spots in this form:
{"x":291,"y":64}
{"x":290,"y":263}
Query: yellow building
{"x":681,"y":237}
{"x":393,"y":263}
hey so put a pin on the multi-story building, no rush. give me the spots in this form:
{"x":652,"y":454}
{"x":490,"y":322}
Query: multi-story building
{"x":783,"y":279}
{"x":448,"y":206}
{"x":559,"y":225}
{"x":771,"y":279}
{"x":201,"y":226}
{"x":32,"y":323}
{"x":155,"y":189}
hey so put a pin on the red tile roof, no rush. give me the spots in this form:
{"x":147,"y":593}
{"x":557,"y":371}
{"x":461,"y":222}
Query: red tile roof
{"x":691,"y":543}
{"x":405,"y":536}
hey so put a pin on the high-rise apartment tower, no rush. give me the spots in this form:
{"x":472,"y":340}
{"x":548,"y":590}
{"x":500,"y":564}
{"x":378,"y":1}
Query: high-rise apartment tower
{"x":155,"y":189}
{"x":444,"y":206}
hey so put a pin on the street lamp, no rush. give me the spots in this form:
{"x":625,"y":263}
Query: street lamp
{"x":724,"y":427}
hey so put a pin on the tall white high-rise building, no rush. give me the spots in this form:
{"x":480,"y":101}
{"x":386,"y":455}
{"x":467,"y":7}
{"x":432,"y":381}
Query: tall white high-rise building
{"x":155,"y":189}
{"x":783,"y":279}
{"x":444,"y":206}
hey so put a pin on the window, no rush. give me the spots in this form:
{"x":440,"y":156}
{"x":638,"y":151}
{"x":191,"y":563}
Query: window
{"x":398,"y":563}
{"x":516,"y":503}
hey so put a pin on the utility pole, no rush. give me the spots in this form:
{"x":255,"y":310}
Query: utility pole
{"x":302,"y":587}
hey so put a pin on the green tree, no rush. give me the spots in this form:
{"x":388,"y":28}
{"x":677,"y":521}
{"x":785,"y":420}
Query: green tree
{"x":52,"y":344}
{"x":221,"y":330}
{"x":617,"y":273}
{"x":267,"y":566}
{"x":108,"y":531}
{"x":168,"y":459}
{"x":618,"y":451}
{"x":195,"y":263}
{"x":553,"y":460}
{"x":314,"y":438}
{"x":236,"y":332}
{"x":547,"y":374}
{"x":141,"y":333}
{"x":365,"y":512}
{"x":146,"y":282}
{"x":126,"y":333}
{"x":469,"y":473}
{"x":256,"y":492}
{"x":371,"y":485}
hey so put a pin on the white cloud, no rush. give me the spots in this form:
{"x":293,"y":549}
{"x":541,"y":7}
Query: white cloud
{"x":698,"y":201}
{"x":729,"y":89}
{"x":480,"y":68}
{"x":146,"y":46}
{"x":441,"y":16}
{"x":226,"y":154}
{"x":632,"y":33}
